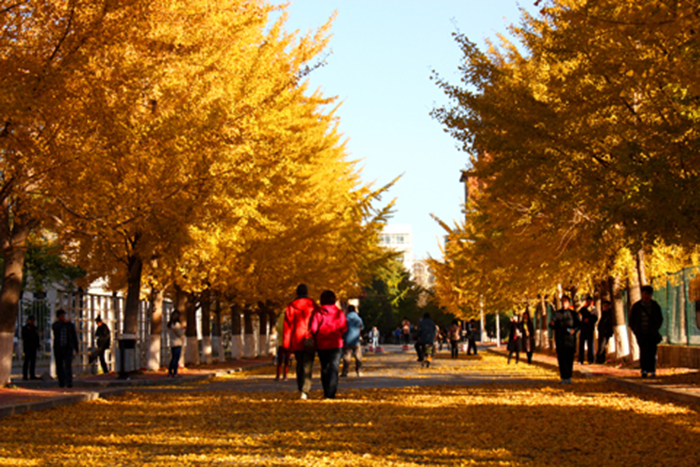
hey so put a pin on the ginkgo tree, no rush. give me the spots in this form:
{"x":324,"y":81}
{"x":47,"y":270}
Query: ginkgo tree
{"x":46,"y":48}
{"x":584,"y":137}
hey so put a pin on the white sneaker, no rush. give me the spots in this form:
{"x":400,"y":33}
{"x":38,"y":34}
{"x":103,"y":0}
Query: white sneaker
{"x":303,"y":396}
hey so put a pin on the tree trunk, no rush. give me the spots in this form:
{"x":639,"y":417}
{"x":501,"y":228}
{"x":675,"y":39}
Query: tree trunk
{"x":153,"y":362}
{"x":622,"y":345}
{"x":133,"y":297}
{"x":236,"y":333}
{"x":217,"y":342}
{"x":250,"y":340}
{"x":181,"y":307}
{"x":14,"y":242}
{"x":634,"y":294}
{"x":205,"y":306}
{"x":264,"y":343}
{"x":192,"y":344}
{"x":641,"y":269}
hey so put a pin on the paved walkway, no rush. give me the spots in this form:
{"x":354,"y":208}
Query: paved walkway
{"x":391,"y":369}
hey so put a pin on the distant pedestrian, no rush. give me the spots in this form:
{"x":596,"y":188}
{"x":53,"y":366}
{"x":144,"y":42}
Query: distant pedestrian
{"x":329,"y":324}
{"x":297,"y":317}
{"x":588,"y":320}
{"x":515,"y":337}
{"x":605,"y":330}
{"x":427,"y":331}
{"x":565,"y":324}
{"x":397,"y":335}
{"x":103,"y":341}
{"x":471,"y":337}
{"x":406,"y":330}
{"x":453,"y":333}
{"x":65,"y":343}
{"x":30,"y":345}
{"x":374,"y":337}
{"x":283,"y":359}
{"x":351,"y":341}
{"x":528,"y":328}
{"x":646,"y":319}
{"x":176,"y":331}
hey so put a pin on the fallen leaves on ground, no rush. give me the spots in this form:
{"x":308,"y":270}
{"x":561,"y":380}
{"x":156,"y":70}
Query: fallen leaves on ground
{"x":541,"y":423}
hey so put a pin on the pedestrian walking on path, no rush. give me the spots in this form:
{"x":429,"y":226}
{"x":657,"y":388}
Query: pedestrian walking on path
{"x":528,"y":328}
{"x":351,"y":341}
{"x":374,"y":338}
{"x":471,"y":337}
{"x":565,"y":324}
{"x":426,"y":336}
{"x":30,"y":346}
{"x":588,"y":320}
{"x":453,"y":334}
{"x":65,"y":342}
{"x":605,"y":330}
{"x":515,"y":337}
{"x":283,"y":358}
{"x":176,"y":331}
{"x":329,"y":324}
{"x":297,"y":317}
{"x":104,"y":339}
{"x":406,"y":330}
{"x":645,"y":321}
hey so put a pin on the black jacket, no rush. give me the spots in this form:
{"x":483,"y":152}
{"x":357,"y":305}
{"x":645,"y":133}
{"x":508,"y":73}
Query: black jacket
{"x":426,"y":331}
{"x":588,"y":321}
{"x":103,"y":336}
{"x":646,"y":322}
{"x":563,"y":322}
{"x":64,"y":336}
{"x":30,"y":338}
{"x":605,"y":325}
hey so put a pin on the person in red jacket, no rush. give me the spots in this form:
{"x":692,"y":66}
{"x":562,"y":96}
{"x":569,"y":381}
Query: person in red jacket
{"x":297,"y":318}
{"x":328,"y":326}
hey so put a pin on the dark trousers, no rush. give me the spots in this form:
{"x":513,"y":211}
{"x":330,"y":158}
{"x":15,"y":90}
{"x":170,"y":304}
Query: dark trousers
{"x":471,"y":345}
{"x":99,"y":352}
{"x":647,"y":352}
{"x":565,"y":357}
{"x":29,"y":367}
{"x":602,"y":344}
{"x":583,"y":341}
{"x":420,"y":350}
{"x":350,"y":352}
{"x":64,"y":366}
{"x":330,"y":364}
{"x":406,"y":339}
{"x":174,"y":360}
{"x":305,"y":361}
{"x":455,"y":348}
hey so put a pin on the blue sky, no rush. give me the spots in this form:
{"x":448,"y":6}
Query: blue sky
{"x":382,"y":56}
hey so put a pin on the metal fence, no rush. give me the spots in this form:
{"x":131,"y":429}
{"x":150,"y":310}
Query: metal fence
{"x":83,"y":309}
{"x":679,"y":294}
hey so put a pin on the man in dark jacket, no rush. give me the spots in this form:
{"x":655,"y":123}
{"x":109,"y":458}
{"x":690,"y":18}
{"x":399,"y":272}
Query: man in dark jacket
{"x":30,"y":344}
{"x":426,"y":335}
{"x":103,"y":338}
{"x":588,"y":320}
{"x":605,"y":330}
{"x":565,"y":324}
{"x":645,"y":321}
{"x":65,"y":342}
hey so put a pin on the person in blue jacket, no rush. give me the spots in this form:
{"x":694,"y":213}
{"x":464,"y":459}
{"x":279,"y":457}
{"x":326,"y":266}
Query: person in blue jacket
{"x":351,"y":341}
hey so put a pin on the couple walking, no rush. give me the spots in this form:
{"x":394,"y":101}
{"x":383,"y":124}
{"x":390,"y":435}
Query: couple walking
{"x":310,"y":328}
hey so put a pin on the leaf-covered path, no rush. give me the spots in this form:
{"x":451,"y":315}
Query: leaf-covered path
{"x":507,"y":415}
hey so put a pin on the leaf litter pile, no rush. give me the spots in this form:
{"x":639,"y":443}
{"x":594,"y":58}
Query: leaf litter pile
{"x":591,"y":422}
